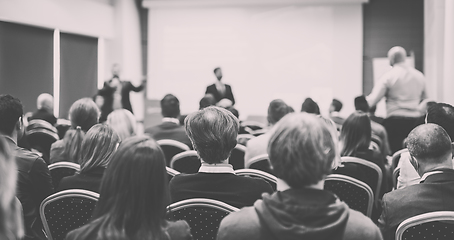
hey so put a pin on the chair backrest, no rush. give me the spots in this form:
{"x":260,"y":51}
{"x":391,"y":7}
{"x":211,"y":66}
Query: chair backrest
{"x":67,"y":210}
{"x":261,"y":163}
{"x":357,"y":194}
{"x":254,"y":128}
{"x":40,"y":136}
{"x":171,"y":148}
{"x":434,"y":225}
{"x":171,"y":173}
{"x":59,"y":170}
{"x":186,"y":162}
{"x":396,"y":174}
{"x":244,"y":138}
{"x":237,"y":157}
{"x":374,"y":174}
{"x":203,"y":215}
{"x":396,"y":157}
{"x":271,"y":179}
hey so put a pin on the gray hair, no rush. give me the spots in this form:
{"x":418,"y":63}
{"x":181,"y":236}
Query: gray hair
{"x":429,"y":143}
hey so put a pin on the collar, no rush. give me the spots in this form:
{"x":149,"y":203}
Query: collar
{"x":427,"y":174}
{"x":10,"y":139}
{"x":281,"y":185}
{"x":172,"y":120}
{"x":216,"y":168}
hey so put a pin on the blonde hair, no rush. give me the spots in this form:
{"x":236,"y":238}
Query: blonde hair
{"x":11,"y":223}
{"x":99,"y":144}
{"x":124,"y":123}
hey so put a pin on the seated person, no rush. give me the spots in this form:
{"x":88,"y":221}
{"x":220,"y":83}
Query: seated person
{"x":334,"y":110}
{"x":301,"y":151}
{"x":45,"y":104}
{"x":123,"y":122}
{"x":99,"y":145}
{"x":258,"y":145}
{"x":170,"y":127}
{"x":213,"y":132}
{"x":133,"y":197}
{"x":431,"y":154}
{"x":310,"y":106}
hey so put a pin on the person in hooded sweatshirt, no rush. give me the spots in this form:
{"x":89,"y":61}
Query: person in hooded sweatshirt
{"x":301,"y":150}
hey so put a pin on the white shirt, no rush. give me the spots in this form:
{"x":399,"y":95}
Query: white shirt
{"x":216,"y":168}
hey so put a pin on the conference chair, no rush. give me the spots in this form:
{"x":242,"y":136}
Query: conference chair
{"x":260,"y":162}
{"x":396,"y":157}
{"x":236,"y":158}
{"x":433,"y":225}
{"x":171,"y":173}
{"x":203,"y":215}
{"x":59,"y":170}
{"x":254,"y":128}
{"x":244,"y":138}
{"x":186,"y":162}
{"x":396,"y":174}
{"x":40,"y":135}
{"x":171,"y":148}
{"x":67,"y":210}
{"x":357,"y":194}
{"x":271,"y":179}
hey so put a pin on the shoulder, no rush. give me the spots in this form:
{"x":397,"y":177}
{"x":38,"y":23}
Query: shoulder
{"x":183,"y":178}
{"x":179,"y":230}
{"x":244,"y":224}
{"x":58,"y":144}
{"x":360,"y":227}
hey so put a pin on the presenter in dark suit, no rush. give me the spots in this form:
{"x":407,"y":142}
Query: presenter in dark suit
{"x":221,"y":91}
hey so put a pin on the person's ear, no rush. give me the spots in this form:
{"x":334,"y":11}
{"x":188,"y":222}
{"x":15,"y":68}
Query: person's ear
{"x":19,"y":124}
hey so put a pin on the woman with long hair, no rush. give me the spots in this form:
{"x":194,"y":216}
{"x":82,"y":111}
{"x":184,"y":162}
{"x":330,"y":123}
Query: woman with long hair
{"x":124,"y":123}
{"x":99,"y":145}
{"x":83,"y":114}
{"x":11,"y":222}
{"x":133,"y":197}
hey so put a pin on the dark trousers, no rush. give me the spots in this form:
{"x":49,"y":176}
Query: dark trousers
{"x":398,"y":129}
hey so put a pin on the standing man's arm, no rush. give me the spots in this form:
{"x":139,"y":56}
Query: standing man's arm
{"x":41,"y":180}
{"x":139,"y":88}
{"x":378,"y":92}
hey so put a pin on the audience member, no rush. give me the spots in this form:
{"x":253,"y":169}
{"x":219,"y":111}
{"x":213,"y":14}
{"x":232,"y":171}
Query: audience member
{"x":34,"y":182}
{"x":441,"y":114}
{"x":334,"y":110}
{"x":206,"y":101}
{"x":83,"y":114}
{"x":133,"y":197}
{"x":220,"y":90}
{"x":123,"y":122}
{"x":404,"y":88}
{"x":213,"y":132}
{"x":258,"y":145}
{"x":301,"y":151}
{"x":170,"y":127}
{"x":45,"y":105}
{"x":99,"y":144}
{"x":377,"y":129}
{"x":11,"y":222}
{"x":431,"y":154}
{"x":310,"y":106}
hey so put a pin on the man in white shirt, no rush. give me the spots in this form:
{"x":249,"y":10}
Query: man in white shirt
{"x":404,"y":89}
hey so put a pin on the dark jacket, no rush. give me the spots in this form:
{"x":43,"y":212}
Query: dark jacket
{"x":214,"y":91}
{"x":34,"y":184}
{"x":169,"y":130}
{"x":178,"y":230}
{"x":436,"y":193}
{"x":44,"y":115}
{"x":298,"y":214}
{"x":90,"y":180}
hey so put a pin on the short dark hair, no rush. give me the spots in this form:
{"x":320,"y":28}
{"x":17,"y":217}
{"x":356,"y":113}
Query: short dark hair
{"x":170,"y":106}
{"x":428,"y":142}
{"x":216,"y":69}
{"x":206,"y":101}
{"x":443,"y":115}
{"x":234,"y":111}
{"x":11,"y":110}
{"x":301,"y":149}
{"x":277,"y":110}
{"x":213,"y":131}
{"x":361,"y":104}
{"x":310,"y":106}
{"x":337,"y":105}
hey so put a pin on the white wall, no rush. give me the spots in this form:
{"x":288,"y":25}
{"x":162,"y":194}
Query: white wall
{"x":266,"y":52}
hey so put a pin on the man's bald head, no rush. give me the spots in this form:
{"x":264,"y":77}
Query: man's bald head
{"x":429,"y":143}
{"x":396,"y":55}
{"x":45,"y":101}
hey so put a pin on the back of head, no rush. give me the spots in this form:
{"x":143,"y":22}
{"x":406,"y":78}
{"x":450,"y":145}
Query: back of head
{"x":45,"y":101}
{"x":84,"y":113}
{"x":429,"y":143}
{"x":361,"y":104}
{"x":123,"y":122}
{"x":443,"y":115}
{"x":337,"y":105}
{"x":396,"y":54}
{"x":206,"y":101}
{"x":10,"y":217}
{"x":355,"y":134}
{"x":213,"y":132}
{"x":310,"y":106}
{"x":134,"y":192}
{"x":170,"y":106}
{"x":234,"y":111}
{"x":277,"y":110}
{"x":99,"y":144}
{"x":301,"y":150}
{"x":11,"y":110}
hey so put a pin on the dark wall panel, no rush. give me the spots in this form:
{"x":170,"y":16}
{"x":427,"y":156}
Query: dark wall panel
{"x":389,"y":23}
{"x":78,"y":69}
{"x":26,"y":62}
